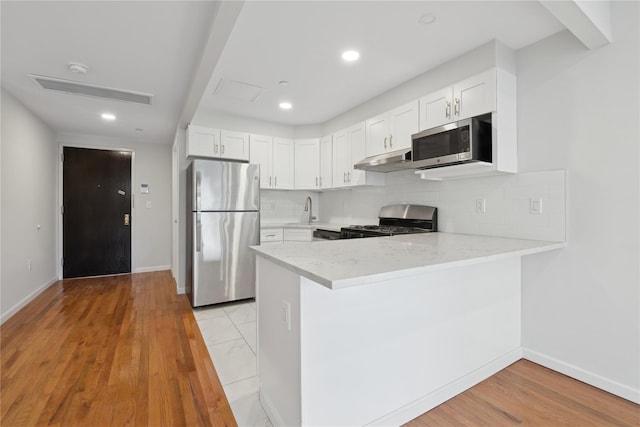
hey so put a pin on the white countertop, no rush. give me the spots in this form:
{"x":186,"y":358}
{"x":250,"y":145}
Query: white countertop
{"x":344,"y":263}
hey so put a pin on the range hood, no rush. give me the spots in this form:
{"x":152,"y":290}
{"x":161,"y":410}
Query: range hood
{"x":387,"y":162}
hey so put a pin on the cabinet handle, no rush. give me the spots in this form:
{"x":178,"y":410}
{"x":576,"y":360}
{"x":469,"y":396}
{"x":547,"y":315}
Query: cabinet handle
{"x":447,"y":110}
{"x":269,"y":181}
{"x":320,"y":181}
{"x":385,"y":142}
{"x":269,"y":235}
{"x":275,"y":181}
{"x":316,"y":181}
{"x":344,"y":178}
{"x":215,"y":148}
{"x":390,"y":141}
{"x":456,"y":107}
{"x":349,"y":177}
{"x":222,"y":152}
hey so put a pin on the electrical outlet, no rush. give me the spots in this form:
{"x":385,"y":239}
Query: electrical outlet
{"x":481,"y":206}
{"x":535,"y":206}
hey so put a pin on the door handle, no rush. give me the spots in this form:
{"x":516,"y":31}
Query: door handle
{"x":126,"y":219}
{"x":198,"y":190}
{"x":198,"y":233}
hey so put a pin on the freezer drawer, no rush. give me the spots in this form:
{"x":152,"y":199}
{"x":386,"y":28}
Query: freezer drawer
{"x":223,"y":265}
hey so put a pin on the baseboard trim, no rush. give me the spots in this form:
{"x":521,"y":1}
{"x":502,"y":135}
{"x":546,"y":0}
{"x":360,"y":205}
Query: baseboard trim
{"x":151,"y":269}
{"x":269,"y":409}
{"x":583,"y":375}
{"x":26,"y":300}
{"x":441,"y":395}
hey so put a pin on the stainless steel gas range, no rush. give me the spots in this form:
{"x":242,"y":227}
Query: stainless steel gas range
{"x":394,"y":220}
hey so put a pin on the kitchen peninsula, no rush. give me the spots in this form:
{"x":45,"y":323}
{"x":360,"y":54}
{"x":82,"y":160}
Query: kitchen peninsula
{"x":377,"y":331}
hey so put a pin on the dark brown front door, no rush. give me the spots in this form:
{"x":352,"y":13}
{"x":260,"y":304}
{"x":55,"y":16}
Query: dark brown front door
{"x":96,"y":212}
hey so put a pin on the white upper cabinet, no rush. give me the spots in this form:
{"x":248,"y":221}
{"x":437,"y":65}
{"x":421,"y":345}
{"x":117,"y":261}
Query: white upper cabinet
{"x":283,"y":163}
{"x":348,"y":149}
{"x":470,"y":97}
{"x":234,"y":145}
{"x":403,"y":122}
{"x":215,"y":143}
{"x":392,"y":130}
{"x":203,"y":142}
{"x":494,"y":92}
{"x":307,"y":164}
{"x":341,"y":159}
{"x":275,"y":157}
{"x":326,"y":162}
{"x":261,"y":151}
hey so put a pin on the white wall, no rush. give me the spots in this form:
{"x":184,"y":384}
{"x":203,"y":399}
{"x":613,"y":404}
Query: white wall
{"x":578,"y":110}
{"x":151,"y":232}
{"x":29,"y":155}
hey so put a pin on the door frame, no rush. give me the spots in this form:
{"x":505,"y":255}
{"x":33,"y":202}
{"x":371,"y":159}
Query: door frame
{"x":60,"y":237}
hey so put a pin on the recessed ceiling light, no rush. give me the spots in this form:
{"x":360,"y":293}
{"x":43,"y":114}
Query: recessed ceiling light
{"x":285,"y":105}
{"x":427,"y":18}
{"x":283,"y":83}
{"x":350,"y":55}
{"x":78,"y":68}
{"x":108,"y":116}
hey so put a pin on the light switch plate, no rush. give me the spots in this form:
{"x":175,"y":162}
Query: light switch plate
{"x":481,"y":206}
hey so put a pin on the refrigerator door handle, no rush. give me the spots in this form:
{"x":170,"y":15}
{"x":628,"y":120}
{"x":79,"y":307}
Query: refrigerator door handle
{"x":198,"y":232}
{"x":198,"y":191}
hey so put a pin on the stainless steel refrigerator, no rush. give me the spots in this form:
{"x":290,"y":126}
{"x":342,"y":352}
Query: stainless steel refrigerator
{"x":224,"y":202}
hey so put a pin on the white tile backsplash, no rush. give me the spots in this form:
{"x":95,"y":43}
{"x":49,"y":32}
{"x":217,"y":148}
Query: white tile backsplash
{"x":507,"y":203}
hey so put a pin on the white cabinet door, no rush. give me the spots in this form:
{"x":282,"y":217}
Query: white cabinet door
{"x":203,"y":142}
{"x":358,"y":152}
{"x":307,"y":164}
{"x":436,"y":109}
{"x":403,"y":122}
{"x":326,"y":162}
{"x":475,"y":95}
{"x":260,"y":153}
{"x":341,"y":158}
{"x":282,"y":164}
{"x":377,"y":135}
{"x":234,"y":145}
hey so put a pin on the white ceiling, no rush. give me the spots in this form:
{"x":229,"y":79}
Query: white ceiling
{"x":149,"y":46}
{"x":156,"y":46}
{"x":301,"y":42}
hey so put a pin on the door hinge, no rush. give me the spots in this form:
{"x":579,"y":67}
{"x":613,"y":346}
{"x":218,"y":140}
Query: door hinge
{"x":61,"y":210}
{"x":62,"y":262}
{"x":62,"y":157}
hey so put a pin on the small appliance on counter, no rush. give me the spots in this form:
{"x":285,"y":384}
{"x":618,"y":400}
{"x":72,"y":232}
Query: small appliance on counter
{"x":396,"y":219}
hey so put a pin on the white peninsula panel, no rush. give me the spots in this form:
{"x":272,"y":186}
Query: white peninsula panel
{"x":385,"y":352}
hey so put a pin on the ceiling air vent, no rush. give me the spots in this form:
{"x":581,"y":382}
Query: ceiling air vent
{"x":68,"y":86}
{"x":238,"y":90}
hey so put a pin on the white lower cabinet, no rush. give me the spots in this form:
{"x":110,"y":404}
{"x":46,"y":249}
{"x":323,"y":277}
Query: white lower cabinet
{"x":271,"y":236}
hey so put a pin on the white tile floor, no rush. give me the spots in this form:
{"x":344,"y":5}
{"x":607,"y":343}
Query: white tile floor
{"x":229,"y":331}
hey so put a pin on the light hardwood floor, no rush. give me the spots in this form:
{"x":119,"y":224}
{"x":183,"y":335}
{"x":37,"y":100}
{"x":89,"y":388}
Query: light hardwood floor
{"x":126,"y":350}
{"x":531,"y":395}
{"x":113,"y":351}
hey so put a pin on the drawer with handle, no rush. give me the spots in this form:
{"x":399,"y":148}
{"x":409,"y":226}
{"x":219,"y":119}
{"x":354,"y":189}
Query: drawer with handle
{"x":271,"y":235}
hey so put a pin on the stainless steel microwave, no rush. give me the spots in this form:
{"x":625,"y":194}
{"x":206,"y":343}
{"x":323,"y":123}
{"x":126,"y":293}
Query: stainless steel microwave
{"x":464,"y":141}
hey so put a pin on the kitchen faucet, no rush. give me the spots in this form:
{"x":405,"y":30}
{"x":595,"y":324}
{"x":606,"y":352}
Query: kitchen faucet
{"x":308,"y":208}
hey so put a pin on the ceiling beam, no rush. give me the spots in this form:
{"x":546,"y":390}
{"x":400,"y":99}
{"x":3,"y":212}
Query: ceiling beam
{"x":226,"y":14}
{"x":589,"y":21}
